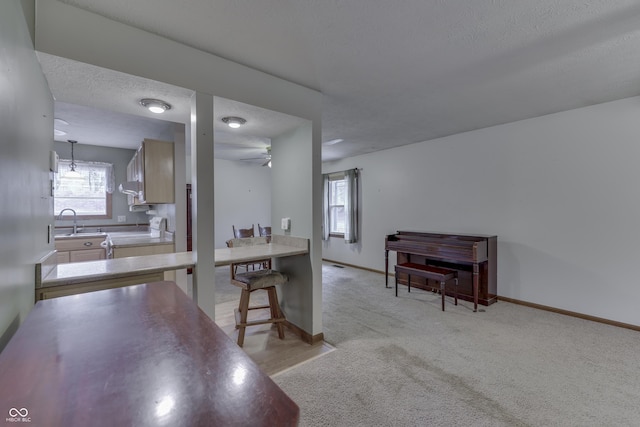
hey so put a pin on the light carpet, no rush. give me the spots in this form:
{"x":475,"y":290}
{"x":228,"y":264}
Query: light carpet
{"x":403,"y":362}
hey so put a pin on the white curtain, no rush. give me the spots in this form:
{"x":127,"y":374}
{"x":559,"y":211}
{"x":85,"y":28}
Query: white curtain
{"x":325,"y":207}
{"x":98,"y":175}
{"x":351,"y":206}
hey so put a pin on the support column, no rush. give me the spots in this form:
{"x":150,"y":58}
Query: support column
{"x":202,"y":201}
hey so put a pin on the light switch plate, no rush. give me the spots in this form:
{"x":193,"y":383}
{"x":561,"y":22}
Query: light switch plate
{"x":122,"y":218}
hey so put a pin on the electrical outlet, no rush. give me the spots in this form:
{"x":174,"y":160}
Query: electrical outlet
{"x":122,"y":218}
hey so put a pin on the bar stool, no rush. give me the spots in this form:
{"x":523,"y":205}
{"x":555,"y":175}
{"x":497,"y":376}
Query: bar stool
{"x":251,"y":281}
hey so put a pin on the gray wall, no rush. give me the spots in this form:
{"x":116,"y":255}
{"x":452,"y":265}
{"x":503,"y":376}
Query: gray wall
{"x":106,"y":43}
{"x":559,"y":191}
{"x":293,"y":181}
{"x":119,"y":157}
{"x":26,"y":137}
{"x":242,"y":196}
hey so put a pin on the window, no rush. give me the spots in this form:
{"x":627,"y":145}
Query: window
{"x":336,"y":206}
{"x":340,"y":205}
{"x":88,"y":192}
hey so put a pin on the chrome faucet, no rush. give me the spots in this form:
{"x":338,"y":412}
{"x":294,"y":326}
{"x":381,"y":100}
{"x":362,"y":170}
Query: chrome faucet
{"x":75,"y":222}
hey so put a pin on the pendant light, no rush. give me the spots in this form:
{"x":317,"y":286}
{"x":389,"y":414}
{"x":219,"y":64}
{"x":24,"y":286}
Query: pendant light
{"x":72,"y":167}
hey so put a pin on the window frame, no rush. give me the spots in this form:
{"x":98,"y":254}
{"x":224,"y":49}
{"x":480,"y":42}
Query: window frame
{"x":63,"y":163}
{"x":332,"y":179}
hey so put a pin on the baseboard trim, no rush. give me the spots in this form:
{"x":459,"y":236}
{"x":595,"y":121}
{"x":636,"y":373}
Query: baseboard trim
{"x":354,"y":266}
{"x":570,"y":313}
{"x":304,"y":335}
{"x":525,"y":303}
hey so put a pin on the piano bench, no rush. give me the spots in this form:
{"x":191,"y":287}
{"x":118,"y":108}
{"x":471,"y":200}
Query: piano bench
{"x":439,"y":274}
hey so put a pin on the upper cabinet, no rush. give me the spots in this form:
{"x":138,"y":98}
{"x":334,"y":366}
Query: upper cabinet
{"x":153,"y":167}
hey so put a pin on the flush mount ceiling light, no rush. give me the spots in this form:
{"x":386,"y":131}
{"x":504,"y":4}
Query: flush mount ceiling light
{"x":333,"y":141}
{"x":155,"y":105}
{"x":234,"y":122}
{"x":58,"y":123}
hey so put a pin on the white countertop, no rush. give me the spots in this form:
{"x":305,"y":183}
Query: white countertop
{"x":137,"y":239}
{"x":226,"y":256}
{"x":88,"y":271}
{"x":122,"y":238}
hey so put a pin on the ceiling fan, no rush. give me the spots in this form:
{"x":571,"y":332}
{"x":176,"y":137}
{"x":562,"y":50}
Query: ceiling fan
{"x":266,"y":157}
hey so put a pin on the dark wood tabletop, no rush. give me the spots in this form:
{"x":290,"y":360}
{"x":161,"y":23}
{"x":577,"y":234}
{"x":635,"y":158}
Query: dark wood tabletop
{"x":143,"y":355}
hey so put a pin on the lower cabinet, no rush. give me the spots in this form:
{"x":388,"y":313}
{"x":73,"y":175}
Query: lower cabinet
{"x":63,"y":257}
{"x":79,"y":249}
{"x":86,"y":255}
{"x":125,"y":251}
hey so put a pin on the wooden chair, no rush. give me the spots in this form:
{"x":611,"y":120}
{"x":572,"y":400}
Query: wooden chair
{"x":239,"y":233}
{"x":247,"y":241}
{"x":265,"y":232}
{"x":249,"y":282}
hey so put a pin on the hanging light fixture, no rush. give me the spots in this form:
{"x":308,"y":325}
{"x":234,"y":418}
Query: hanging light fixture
{"x":72,"y":167}
{"x":234,"y":122}
{"x":155,"y":105}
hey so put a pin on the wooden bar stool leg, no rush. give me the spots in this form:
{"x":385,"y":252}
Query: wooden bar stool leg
{"x":442,"y":292}
{"x":275,"y":311}
{"x":409,"y":282}
{"x":244,"y":309}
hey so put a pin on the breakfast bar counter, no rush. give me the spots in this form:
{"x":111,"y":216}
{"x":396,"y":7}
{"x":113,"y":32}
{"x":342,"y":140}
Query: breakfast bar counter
{"x":143,"y":355}
{"x":79,"y":277}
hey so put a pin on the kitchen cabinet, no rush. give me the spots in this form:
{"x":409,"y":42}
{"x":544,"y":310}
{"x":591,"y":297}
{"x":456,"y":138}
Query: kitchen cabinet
{"x":79,"y":248}
{"x":153,"y":167}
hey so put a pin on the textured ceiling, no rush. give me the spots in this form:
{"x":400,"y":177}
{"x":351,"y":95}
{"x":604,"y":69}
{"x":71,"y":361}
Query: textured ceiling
{"x":101,"y":107}
{"x":394,"y":73}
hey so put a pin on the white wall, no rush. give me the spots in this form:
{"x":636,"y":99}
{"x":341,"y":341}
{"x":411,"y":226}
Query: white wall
{"x":105,"y":43}
{"x":561,"y":192}
{"x":242,"y":196}
{"x":26,"y":136}
{"x":293,"y":181}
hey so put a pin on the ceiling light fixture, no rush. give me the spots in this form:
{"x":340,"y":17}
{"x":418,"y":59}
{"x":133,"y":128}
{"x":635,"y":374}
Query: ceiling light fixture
{"x":234,"y":122}
{"x":333,"y":141}
{"x":155,"y":105}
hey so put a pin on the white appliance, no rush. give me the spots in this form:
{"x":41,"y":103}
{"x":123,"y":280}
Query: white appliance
{"x":130,"y":188}
{"x":158,"y":226}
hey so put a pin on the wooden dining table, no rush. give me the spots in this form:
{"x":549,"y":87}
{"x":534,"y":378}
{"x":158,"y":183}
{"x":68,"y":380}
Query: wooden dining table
{"x":142,"y":355}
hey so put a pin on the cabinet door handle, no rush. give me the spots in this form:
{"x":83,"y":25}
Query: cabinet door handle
{"x":88,"y":243}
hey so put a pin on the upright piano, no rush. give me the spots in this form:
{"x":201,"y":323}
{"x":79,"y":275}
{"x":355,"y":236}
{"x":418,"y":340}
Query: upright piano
{"x":473,"y":256}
